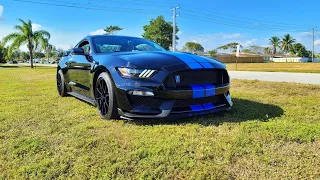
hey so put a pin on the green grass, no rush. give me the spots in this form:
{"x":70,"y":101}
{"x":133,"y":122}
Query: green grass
{"x":272,"y":132}
{"x":276,"y":67}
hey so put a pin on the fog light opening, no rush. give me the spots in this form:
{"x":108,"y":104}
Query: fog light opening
{"x":141,"y":93}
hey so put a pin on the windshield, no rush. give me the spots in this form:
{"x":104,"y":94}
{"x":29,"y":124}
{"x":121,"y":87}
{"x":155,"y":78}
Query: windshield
{"x":104,"y":44}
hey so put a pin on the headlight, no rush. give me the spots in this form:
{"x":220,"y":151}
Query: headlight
{"x":139,"y":73}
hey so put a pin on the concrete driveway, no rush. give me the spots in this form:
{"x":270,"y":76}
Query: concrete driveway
{"x":304,"y":78}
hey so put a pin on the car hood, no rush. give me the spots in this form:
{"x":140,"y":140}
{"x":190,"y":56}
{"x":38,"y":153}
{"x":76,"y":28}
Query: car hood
{"x":164,"y":60}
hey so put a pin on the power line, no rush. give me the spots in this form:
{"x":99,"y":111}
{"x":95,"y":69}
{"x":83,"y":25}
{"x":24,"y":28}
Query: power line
{"x":230,"y":20}
{"x":92,"y":8}
{"x":197,"y":10}
{"x":203,"y":16}
{"x":217,"y":21}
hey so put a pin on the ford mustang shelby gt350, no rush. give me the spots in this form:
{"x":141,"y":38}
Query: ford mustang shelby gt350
{"x":134,"y":78}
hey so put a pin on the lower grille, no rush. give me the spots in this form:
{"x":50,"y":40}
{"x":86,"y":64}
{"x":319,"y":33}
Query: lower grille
{"x":188,"y":102}
{"x":145,"y":101}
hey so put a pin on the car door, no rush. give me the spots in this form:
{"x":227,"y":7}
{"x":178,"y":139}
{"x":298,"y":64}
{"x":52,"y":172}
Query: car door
{"x":79,"y":67}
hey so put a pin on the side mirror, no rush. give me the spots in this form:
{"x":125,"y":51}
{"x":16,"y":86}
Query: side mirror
{"x":77,"y":51}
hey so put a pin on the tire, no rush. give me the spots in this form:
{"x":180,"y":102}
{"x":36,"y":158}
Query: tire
{"x":61,"y":86}
{"x":105,"y":97}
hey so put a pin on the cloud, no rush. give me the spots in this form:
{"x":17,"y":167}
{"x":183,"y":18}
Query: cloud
{"x":179,"y":33}
{"x":97,"y":32}
{"x":317,"y":42}
{"x":36,"y":27}
{"x":231,"y":36}
{"x":249,"y":42}
{"x":1,"y":11}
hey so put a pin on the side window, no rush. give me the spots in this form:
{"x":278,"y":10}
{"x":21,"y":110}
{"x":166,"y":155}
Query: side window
{"x":85,"y":46}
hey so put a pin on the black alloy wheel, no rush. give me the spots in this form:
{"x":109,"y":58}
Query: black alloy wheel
{"x":105,"y":97}
{"x":62,"y":90}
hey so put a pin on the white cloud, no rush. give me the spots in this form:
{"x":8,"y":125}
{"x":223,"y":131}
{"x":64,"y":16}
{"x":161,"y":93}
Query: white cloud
{"x":179,"y":33}
{"x":317,"y":42}
{"x":231,"y":36}
{"x":1,"y":11}
{"x":97,"y":32}
{"x":249,"y":42}
{"x":36,"y":27}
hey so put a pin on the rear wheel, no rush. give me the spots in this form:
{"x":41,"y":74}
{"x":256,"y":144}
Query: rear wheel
{"x":61,"y":86}
{"x":105,"y":97}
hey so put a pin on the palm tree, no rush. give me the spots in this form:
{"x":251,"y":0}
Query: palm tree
{"x":25,"y":36}
{"x":112,"y":29}
{"x":287,"y":43}
{"x":267,"y":50}
{"x":274,"y":42}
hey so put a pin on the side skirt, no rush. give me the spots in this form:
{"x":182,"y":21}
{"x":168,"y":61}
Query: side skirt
{"x":82,"y":97}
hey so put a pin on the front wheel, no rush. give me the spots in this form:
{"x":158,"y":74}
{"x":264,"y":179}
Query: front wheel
{"x":61,"y":86}
{"x":105,"y":97}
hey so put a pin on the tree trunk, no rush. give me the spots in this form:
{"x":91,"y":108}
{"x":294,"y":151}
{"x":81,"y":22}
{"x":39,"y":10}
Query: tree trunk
{"x":31,"y":57}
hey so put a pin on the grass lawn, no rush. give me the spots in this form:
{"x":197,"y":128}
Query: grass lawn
{"x":272,"y":132}
{"x":276,"y":67}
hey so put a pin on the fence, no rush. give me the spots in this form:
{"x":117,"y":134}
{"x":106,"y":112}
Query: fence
{"x":232,"y":59}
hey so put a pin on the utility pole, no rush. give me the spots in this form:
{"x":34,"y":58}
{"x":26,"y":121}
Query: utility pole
{"x":312,"y":44}
{"x":174,"y":9}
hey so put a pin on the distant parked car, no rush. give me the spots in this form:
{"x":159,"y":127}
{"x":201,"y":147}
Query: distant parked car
{"x":36,"y":61}
{"x":13,"y":62}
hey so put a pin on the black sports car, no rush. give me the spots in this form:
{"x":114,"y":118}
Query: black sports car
{"x":134,"y":78}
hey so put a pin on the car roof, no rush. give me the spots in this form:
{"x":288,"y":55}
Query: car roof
{"x":106,"y":35}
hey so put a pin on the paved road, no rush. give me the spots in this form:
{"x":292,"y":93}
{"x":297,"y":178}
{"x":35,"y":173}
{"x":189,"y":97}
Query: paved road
{"x":304,"y":78}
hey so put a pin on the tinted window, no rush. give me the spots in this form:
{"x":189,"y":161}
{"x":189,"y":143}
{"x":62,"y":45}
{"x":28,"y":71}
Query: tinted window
{"x":105,"y":44}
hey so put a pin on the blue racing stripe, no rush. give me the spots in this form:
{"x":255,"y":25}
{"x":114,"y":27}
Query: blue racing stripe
{"x":202,"y":61}
{"x":208,"y":106}
{"x":197,"y":91}
{"x":207,"y":65}
{"x":193,"y":64}
{"x":210,"y":89}
{"x":197,"y":107}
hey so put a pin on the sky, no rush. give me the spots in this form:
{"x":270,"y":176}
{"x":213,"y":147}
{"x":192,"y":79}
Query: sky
{"x":209,"y":22}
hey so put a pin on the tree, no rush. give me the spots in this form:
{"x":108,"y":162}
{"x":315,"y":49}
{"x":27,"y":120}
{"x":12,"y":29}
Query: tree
{"x":192,"y":46}
{"x":256,"y":49}
{"x":231,"y":46}
{"x":60,"y":52}
{"x":25,"y":35}
{"x":300,"y":50}
{"x":274,"y":42}
{"x":224,"y":47}
{"x":112,"y":29}
{"x":25,"y":55}
{"x":286,"y":44}
{"x":267,"y":50}
{"x":3,"y":53}
{"x":39,"y":55}
{"x":246,"y":51}
{"x":160,"y":31}
{"x":212,"y":53}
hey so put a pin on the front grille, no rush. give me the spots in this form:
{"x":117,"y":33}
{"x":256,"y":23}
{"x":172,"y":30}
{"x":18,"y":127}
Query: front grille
{"x":188,"y":102}
{"x":145,"y":101}
{"x":215,"y":76}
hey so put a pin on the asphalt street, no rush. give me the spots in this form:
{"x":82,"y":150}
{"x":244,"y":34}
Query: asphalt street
{"x":304,"y":78}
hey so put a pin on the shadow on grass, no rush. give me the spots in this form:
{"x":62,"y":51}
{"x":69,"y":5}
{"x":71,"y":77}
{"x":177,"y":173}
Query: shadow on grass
{"x":242,"y":110}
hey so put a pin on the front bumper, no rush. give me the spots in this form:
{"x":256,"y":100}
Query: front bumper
{"x":169,"y":102}
{"x":175,"y":103}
